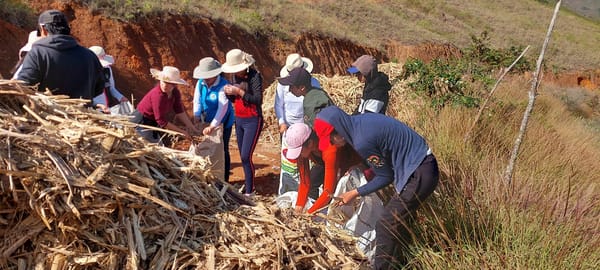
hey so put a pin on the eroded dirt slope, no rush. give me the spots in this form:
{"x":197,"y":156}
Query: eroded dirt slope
{"x":168,"y":39}
{"x":181,"y":41}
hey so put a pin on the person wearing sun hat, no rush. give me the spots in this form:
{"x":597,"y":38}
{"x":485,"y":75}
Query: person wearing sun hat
{"x":211,"y":104}
{"x":289,"y":110}
{"x":57,"y":63}
{"x":33,"y":37}
{"x":397,"y":155}
{"x":110,"y":94}
{"x":246,"y":92}
{"x":159,"y":103}
{"x":303,"y":146}
{"x":375,"y":96}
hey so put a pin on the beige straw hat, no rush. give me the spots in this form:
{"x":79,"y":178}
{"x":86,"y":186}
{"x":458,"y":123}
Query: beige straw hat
{"x":236,"y":60}
{"x":105,"y":59}
{"x":168,"y":74}
{"x":294,"y":60}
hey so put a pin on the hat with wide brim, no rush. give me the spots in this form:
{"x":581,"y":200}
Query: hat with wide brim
{"x":208,"y":67}
{"x":33,"y":37}
{"x":294,"y":60}
{"x":236,"y":60}
{"x":168,"y":74}
{"x":105,"y":59}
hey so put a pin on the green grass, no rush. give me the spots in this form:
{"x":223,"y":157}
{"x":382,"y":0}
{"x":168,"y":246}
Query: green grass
{"x":17,"y":13}
{"x":374,"y":23}
{"x":547,"y":218}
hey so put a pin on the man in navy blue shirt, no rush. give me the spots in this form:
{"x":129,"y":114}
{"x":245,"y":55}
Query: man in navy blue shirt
{"x":399,"y":156}
{"x":58,"y":63}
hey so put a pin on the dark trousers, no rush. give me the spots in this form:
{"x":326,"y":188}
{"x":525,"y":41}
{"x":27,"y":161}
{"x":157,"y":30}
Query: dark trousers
{"x":317,"y":177}
{"x":226,"y":137}
{"x":247,"y":132}
{"x":393,"y":228}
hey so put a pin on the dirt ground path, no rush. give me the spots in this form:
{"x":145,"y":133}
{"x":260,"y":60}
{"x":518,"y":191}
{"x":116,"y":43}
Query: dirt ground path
{"x":266,"y":160}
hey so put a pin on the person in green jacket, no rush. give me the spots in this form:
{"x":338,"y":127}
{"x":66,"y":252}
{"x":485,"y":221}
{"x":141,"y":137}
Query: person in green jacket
{"x":315,"y":99}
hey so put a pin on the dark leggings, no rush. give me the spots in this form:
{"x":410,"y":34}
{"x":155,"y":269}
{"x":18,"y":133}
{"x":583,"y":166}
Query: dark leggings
{"x":393,"y":228}
{"x":247,"y":132}
{"x":226,"y":137}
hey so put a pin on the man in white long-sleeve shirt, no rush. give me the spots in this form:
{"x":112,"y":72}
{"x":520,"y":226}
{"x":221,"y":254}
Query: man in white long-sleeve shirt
{"x":289,"y":110}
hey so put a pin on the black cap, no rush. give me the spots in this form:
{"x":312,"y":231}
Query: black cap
{"x":298,"y":76}
{"x":52,"y":16}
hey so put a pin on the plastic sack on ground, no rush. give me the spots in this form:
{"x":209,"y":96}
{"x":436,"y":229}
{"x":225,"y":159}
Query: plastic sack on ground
{"x":288,"y":200}
{"x":360,"y":216}
{"x":123,"y":108}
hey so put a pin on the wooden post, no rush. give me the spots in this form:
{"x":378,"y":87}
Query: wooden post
{"x":532,"y":93}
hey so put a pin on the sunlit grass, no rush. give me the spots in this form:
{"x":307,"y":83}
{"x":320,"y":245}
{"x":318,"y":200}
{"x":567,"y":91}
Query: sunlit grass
{"x":375,"y":23}
{"x":547,"y":218}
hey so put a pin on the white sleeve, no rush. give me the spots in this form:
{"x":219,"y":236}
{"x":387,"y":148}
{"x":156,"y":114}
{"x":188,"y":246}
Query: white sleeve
{"x":280,"y":103}
{"x":372,"y":105}
{"x":221,"y":109}
{"x":113,"y":91}
{"x":99,"y":99}
{"x":16,"y":75}
{"x":196,"y":101}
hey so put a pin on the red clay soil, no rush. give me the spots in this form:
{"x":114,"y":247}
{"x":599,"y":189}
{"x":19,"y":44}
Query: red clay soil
{"x":181,"y":41}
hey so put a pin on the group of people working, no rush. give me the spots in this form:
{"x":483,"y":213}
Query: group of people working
{"x":320,"y":142}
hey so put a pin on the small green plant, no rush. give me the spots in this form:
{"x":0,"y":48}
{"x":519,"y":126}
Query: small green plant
{"x":481,"y":52}
{"x":441,"y":80}
{"x":18,"y":13}
{"x":461,"y":81}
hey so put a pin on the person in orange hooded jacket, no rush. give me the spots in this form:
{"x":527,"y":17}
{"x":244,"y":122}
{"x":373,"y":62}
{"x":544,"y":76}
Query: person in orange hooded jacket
{"x":303,"y":145}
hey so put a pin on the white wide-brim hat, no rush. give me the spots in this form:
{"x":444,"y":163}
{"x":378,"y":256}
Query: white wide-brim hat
{"x":30,"y":40}
{"x":168,"y":74}
{"x":208,"y":67}
{"x":105,"y":59}
{"x":236,"y":60}
{"x":294,"y":60}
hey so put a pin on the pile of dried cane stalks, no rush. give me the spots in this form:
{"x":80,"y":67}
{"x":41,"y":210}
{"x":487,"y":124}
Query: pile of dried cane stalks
{"x":346,"y":91}
{"x":78,"y":190}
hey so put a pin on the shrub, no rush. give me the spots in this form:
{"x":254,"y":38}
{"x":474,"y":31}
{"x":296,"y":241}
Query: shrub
{"x":18,"y":13}
{"x":460,"y":81}
{"x":441,"y":80}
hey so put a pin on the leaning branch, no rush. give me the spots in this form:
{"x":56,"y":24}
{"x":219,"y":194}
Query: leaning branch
{"x":532,"y":93}
{"x":491,"y":93}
